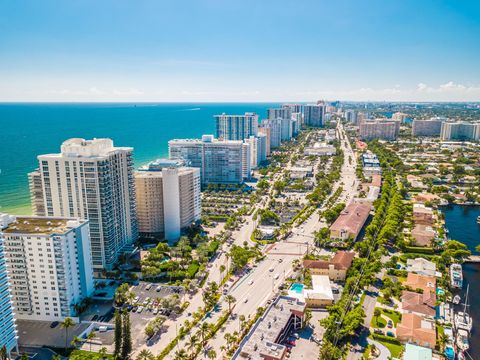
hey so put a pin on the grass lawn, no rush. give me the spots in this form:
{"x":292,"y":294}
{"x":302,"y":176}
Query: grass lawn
{"x":392,"y":314}
{"x":87,"y":355}
{"x":395,"y":349}
{"x":378,"y":323}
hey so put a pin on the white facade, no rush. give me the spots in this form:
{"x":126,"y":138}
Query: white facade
{"x":432,"y":127}
{"x":258,"y":150}
{"x":219,"y":161}
{"x":236,"y":127}
{"x":460,"y":130}
{"x":171,"y":203}
{"x":91,"y":179}
{"x":275,"y":127}
{"x":50,"y":266}
{"x":379,"y":129}
{"x":279,"y":113}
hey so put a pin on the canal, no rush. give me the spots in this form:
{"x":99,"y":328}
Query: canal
{"x":461,"y":222}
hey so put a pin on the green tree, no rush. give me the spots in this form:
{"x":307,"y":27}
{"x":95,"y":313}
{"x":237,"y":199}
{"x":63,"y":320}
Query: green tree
{"x":67,"y":324}
{"x":24,"y":356}
{"x":145,"y":355}
{"x":127,"y":336}
{"x":212,"y":354}
{"x":92,"y":335}
{"x":118,"y":334}
{"x":103,"y":353}
{"x":230,"y":299}
{"x":4,"y":353}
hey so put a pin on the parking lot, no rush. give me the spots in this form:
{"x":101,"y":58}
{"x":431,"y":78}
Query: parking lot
{"x":305,"y":347}
{"x":46,"y":333}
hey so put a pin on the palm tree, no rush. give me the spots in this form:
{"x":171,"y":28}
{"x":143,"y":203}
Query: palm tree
{"x":212,"y":354}
{"x":443,"y":340}
{"x":222,"y":269}
{"x":145,"y":355}
{"x":192,"y":343}
{"x":66,"y":324}
{"x":230,"y":300}
{"x":241,"y":321}
{"x":204,"y":328}
{"x":181,"y":355}
{"x":90,"y":337}
{"x":76,"y":340}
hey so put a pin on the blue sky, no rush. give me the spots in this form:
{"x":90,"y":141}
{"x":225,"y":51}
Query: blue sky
{"x":222,"y":50}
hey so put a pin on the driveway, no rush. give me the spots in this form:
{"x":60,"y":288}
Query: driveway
{"x":384,"y":352}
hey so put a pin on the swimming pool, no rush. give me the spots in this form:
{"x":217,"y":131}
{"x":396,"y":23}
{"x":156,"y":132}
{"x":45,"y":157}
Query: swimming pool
{"x":297,"y":287}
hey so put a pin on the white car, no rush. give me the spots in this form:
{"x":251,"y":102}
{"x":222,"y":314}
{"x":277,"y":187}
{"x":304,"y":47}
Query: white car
{"x":250,"y":282}
{"x":155,"y":311}
{"x":276,"y":276}
{"x":271,"y":269}
{"x":148,"y":287}
{"x":135,"y":300}
{"x":246,"y":300}
{"x":140,"y":309}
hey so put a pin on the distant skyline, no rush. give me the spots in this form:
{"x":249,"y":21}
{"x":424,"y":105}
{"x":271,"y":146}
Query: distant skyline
{"x":220,"y":51}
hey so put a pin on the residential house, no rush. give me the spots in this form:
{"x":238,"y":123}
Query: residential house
{"x":336,"y":268}
{"x":422,"y":266}
{"x":422,"y":304}
{"x":415,"y":329}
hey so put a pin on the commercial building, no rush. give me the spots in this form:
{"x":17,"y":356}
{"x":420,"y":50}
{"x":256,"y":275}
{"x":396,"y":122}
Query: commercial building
{"x":379,"y":129}
{"x":314,"y":115}
{"x":460,"y":130}
{"x":336,"y":268}
{"x":8,"y":328}
{"x":90,"y":179}
{"x":320,"y":149}
{"x":236,"y":127}
{"x":431,"y":127}
{"x":264,"y":341}
{"x":219,"y":161}
{"x":350,"y":221}
{"x":168,"y":198}
{"x":50,"y":265}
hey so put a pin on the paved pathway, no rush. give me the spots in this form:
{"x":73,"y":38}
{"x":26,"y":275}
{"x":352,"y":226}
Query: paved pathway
{"x":384,"y":352}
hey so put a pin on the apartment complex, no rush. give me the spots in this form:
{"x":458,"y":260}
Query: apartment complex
{"x":314,"y":115}
{"x":168,"y":198}
{"x":431,"y":127}
{"x":350,"y":221}
{"x":275,"y":130}
{"x":460,"y":130}
{"x":336,"y":268}
{"x":90,"y":179}
{"x":219,"y":161}
{"x":279,"y":113}
{"x":236,"y":127}
{"x":258,"y":150}
{"x":379,"y":129}
{"x":8,"y":328}
{"x":50,"y":265}
{"x":265,"y":131}
{"x":351,"y":116}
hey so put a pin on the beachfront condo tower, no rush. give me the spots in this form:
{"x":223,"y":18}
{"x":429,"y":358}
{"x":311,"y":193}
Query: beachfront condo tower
{"x":168,"y":198}
{"x":90,"y":179}
{"x":219,"y":161}
{"x":236,"y":127}
{"x":50,"y":266}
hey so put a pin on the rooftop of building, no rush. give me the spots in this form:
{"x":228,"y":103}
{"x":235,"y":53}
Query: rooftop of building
{"x":78,"y":147}
{"x":207,"y":139}
{"x":261,"y":340}
{"x":417,"y":281}
{"x":352,"y":218}
{"x":159,"y":164}
{"x":37,"y":224}
{"x":342,"y":260}
{"x":414,"y":352}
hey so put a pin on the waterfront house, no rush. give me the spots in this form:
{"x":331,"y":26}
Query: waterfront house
{"x":415,"y":329}
{"x":424,"y":283}
{"x":422,"y":266}
{"x":414,"y":352}
{"x":421,"y":304}
{"x":423,"y":235}
{"x":422,"y":214}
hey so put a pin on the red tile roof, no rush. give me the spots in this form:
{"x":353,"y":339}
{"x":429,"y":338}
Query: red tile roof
{"x":352,"y":218}
{"x":341,"y":261}
{"x":419,"y":303}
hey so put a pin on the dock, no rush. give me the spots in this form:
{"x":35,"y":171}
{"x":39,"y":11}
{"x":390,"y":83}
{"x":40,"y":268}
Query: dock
{"x":473,"y":259}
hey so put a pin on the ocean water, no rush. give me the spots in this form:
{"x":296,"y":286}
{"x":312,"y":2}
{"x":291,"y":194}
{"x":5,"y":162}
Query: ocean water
{"x":28,"y":130}
{"x":461,"y":222}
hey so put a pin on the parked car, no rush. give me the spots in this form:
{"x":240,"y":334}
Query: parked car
{"x":139,"y":309}
{"x":54,"y":324}
{"x":390,"y":324}
{"x":391,"y":334}
{"x":148,"y":287}
{"x":250,"y":282}
{"x":159,"y":287}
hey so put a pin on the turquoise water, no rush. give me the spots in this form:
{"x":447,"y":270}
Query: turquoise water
{"x":461,"y":221}
{"x":297,"y":287}
{"x":28,"y":130}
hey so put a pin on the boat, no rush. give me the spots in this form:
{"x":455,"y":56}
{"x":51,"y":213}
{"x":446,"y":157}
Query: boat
{"x":478,"y":219}
{"x":456,"y":299}
{"x":463,"y":321}
{"x":461,"y":356}
{"x":456,"y":276}
{"x":462,"y":340}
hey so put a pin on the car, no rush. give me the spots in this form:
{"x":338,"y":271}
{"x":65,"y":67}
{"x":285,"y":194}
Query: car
{"x":271,"y":269}
{"x":139,"y":309}
{"x":390,"y":324}
{"x":335,"y":290}
{"x":245,"y":300}
{"x":391,"y":334}
{"x":269,"y":301}
{"x":155,"y":311}
{"x":135,"y":300}
{"x":276,"y":276}
{"x":159,"y":287}
{"x":378,"y":331}
{"x":54,"y":324}
{"x":280,"y":260}
{"x":250,"y":282}
{"x":129,"y":307}
{"x":148,"y":287}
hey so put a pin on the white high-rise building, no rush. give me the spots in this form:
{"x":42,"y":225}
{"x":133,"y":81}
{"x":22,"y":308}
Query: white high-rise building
{"x":460,"y":130}
{"x":431,"y":127}
{"x":265,"y":131}
{"x":383,"y":129}
{"x":219,"y":161}
{"x":90,"y":179}
{"x":236,"y":127}
{"x":258,"y":149}
{"x":279,"y":113}
{"x":314,"y":115}
{"x":351,"y":116}
{"x":50,"y":265}
{"x":275,"y":126}
{"x":287,"y":129}
{"x":168,"y":198}
{"x":8,"y":328}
